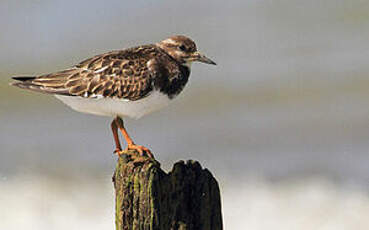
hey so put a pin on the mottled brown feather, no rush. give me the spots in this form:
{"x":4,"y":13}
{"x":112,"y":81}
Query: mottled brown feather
{"x":127,"y":74}
{"x":118,"y":74}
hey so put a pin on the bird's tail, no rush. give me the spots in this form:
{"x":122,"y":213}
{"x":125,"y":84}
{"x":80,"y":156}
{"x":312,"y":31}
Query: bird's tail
{"x":31,"y":83}
{"x":27,"y":82}
{"x":24,"y":82}
{"x":25,"y":78}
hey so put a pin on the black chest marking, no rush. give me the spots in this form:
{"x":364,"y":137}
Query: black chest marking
{"x":172,"y":83}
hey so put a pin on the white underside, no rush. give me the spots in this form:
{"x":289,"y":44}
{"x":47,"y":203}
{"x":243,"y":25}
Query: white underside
{"x":117,"y":107}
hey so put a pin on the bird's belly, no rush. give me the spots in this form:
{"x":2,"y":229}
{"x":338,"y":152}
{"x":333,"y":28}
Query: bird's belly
{"x":117,"y":107}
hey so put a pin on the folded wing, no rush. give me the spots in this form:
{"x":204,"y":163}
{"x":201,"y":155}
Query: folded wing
{"x":118,"y":74}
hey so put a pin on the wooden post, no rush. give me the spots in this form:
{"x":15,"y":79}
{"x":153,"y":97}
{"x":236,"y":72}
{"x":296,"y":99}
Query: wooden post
{"x":147,"y":198}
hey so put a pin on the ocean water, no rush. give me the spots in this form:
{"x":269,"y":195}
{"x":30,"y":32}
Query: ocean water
{"x":44,"y":202}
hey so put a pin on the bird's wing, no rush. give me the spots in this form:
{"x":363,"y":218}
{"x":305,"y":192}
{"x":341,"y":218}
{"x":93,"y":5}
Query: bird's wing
{"x":118,"y":74}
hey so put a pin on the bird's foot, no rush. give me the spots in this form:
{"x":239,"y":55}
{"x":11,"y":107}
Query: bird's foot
{"x":137,"y":153}
{"x":142,"y":150}
{"x":120,"y":152}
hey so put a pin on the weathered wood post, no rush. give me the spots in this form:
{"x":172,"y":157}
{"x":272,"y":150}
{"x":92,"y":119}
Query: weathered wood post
{"x":187,"y":198}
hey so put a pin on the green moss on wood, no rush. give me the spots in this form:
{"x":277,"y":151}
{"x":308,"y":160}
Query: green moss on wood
{"x":148,"y":198}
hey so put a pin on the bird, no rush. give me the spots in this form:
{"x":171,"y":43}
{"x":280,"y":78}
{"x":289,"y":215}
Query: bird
{"x":124,"y":83}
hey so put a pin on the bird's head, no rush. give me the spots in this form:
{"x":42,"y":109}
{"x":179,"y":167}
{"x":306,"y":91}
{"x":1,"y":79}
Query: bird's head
{"x":183,"y":50}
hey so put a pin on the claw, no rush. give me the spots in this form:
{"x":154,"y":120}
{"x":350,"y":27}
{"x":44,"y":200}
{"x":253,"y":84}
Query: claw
{"x":118,"y":152}
{"x":141,"y":149}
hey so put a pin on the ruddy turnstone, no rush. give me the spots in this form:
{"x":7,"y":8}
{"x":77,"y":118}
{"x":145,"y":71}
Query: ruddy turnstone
{"x":124,"y":83}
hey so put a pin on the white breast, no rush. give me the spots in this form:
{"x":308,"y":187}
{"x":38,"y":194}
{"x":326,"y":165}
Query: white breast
{"x":117,"y":107}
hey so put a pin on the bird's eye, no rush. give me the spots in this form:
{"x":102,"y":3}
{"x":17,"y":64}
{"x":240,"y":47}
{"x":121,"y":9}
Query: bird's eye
{"x":182,"y":48}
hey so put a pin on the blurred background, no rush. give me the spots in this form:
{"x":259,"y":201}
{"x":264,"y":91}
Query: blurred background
{"x":282,"y":121}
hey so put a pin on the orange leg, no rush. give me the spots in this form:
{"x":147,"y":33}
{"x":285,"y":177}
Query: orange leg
{"x":114,"y":129}
{"x":118,"y":148}
{"x":130,"y":144}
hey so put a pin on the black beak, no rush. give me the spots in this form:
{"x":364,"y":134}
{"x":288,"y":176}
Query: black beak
{"x":202,"y":58}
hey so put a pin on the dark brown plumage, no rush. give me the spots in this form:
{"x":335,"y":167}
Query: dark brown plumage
{"x":120,"y":74}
